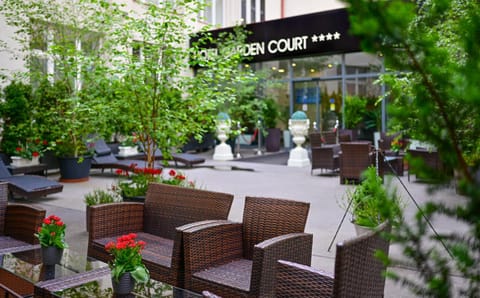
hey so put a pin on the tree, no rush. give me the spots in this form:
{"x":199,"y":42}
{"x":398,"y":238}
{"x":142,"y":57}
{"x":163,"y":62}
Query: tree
{"x":431,"y":52}
{"x":139,"y":72}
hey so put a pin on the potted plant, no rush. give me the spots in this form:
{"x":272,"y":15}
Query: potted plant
{"x":97,"y":197}
{"x":371,"y":203}
{"x":271,"y":114}
{"x":135,"y":186}
{"x":28,"y":152}
{"x":52,"y":239}
{"x":127,"y":266}
{"x":129,"y":145}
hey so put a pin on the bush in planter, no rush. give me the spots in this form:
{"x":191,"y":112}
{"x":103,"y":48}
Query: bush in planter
{"x":371,"y":203}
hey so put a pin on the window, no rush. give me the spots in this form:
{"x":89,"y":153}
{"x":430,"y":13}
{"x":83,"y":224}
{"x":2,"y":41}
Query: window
{"x":253,"y":11}
{"x":213,"y":12}
{"x":73,"y":42}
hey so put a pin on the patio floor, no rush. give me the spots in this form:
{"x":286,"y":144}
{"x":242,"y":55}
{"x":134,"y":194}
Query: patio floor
{"x":261,"y":179}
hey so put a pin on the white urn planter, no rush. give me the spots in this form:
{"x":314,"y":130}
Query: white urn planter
{"x":223,"y":151}
{"x":18,"y":161}
{"x":127,"y":150}
{"x":298,"y":126}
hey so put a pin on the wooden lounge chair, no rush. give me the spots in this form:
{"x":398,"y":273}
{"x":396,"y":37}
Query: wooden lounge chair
{"x":358,"y":273}
{"x":105,"y":159}
{"x":158,"y":221}
{"x":185,"y":158}
{"x":28,"y":186}
{"x":232,"y":259}
{"x":18,"y":224}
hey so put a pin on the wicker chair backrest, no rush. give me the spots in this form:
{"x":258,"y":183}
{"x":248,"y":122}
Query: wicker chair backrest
{"x":265,"y":218}
{"x":357,"y":271}
{"x":168,"y":207}
{"x":315,"y":139}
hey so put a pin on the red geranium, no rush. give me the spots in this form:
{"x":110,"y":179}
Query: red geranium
{"x":52,"y":232}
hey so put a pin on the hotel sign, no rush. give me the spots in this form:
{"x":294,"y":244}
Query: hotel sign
{"x":312,"y":34}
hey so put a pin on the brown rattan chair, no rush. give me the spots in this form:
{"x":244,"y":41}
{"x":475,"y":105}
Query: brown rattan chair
{"x":18,"y":224}
{"x":238,"y":259}
{"x":159,"y":221}
{"x":325,"y":157}
{"x":7,"y":292}
{"x":355,"y":158}
{"x":358,"y":273}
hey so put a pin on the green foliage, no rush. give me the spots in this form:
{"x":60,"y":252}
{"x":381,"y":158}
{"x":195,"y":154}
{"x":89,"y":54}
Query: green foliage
{"x":355,"y":108}
{"x":100,"y":196}
{"x":372,"y":203}
{"x":431,"y":52}
{"x":271,"y":113}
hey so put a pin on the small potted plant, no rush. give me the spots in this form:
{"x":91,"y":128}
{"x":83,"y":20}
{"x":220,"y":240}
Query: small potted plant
{"x":129,"y":145}
{"x":52,"y":239}
{"x":99,"y":196}
{"x":127,"y":266}
{"x":371,"y":203}
{"x":28,"y":152}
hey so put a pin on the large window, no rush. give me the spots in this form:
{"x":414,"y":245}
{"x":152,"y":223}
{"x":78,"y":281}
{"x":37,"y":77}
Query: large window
{"x":213,"y":12}
{"x":253,"y":11}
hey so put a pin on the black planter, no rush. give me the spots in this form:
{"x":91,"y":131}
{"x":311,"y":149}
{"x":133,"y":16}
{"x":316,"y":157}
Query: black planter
{"x":272,"y":141}
{"x":72,"y":169}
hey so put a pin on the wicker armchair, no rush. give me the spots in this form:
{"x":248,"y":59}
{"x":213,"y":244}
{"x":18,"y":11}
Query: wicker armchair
{"x":159,"y":221}
{"x":358,"y":273}
{"x":355,"y":158}
{"x":316,"y":139}
{"x":326,"y":157}
{"x":18,"y":223}
{"x":238,"y":259}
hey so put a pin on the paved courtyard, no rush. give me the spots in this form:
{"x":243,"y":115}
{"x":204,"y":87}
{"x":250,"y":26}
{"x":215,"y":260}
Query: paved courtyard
{"x":267,"y":180}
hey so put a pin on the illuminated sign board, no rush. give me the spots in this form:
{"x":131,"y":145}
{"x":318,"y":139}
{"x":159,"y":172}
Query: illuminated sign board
{"x":306,"y":35}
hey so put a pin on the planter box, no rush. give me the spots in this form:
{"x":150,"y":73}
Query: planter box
{"x":127,"y":150}
{"x":18,"y":161}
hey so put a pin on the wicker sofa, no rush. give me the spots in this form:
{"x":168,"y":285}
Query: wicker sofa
{"x":159,"y":221}
{"x":18,"y":223}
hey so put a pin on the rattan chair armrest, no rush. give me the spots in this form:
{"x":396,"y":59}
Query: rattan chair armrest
{"x":295,"y":247}
{"x":211,"y":244}
{"x":115,"y":219}
{"x":22,"y":221}
{"x":297,"y":280}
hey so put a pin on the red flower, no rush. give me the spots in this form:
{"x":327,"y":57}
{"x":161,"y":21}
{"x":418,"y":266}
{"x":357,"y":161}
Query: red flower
{"x":180,"y":177}
{"x":45,"y":142}
{"x":18,"y":149}
{"x":59,"y":223}
{"x":35,"y":154}
{"x":172,"y":173}
{"x":47,"y":221}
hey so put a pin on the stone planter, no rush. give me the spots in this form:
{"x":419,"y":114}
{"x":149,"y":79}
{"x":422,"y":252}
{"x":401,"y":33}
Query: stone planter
{"x":127,"y":150}
{"x":18,"y":161}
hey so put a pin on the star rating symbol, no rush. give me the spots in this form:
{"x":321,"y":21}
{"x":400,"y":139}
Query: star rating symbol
{"x":325,"y":37}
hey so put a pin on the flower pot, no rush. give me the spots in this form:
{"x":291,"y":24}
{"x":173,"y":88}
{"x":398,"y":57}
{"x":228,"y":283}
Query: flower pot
{"x":127,"y":150}
{"x":140,"y":199}
{"x":72,"y":169}
{"x":272,"y":141}
{"x":361,"y":229}
{"x":18,"y":161}
{"x":51,"y":255}
{"x":125,"y":284}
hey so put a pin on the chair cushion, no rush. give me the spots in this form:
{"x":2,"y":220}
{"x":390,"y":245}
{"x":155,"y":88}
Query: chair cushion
{"x":9,"y":244}
{"x":235,"y":274}
{"x":101,"y":148}
{"x":158,"y":250}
